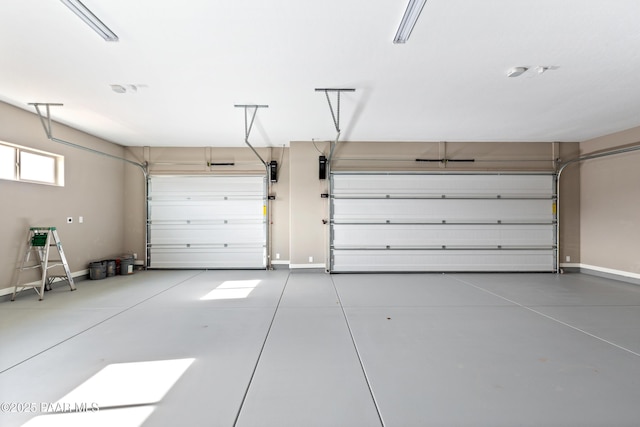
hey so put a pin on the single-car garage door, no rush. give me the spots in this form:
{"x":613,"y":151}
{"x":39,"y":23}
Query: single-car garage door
{"x":442,"y":222}
{"x":213,"y":222}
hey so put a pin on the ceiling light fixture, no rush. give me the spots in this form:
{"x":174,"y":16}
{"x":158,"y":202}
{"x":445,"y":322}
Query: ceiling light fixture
{"x":409,"y":20}
{"x":516,"y":71}
{"x":91,"y":20}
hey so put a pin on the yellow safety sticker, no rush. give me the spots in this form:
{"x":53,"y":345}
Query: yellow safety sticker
{"x":554,"y":208}
{"x":264,"y":210}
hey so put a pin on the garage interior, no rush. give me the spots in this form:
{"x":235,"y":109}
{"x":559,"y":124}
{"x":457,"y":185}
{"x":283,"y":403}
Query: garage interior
{"x":331,"y":223}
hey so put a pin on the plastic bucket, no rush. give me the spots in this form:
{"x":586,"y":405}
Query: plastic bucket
{"x":126,"y":266}
{"x":111,"y":267}
{"x":97,"y":270}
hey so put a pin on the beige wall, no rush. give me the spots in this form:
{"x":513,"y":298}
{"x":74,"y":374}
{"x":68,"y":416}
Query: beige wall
{"x":308,"y":234}
{"x":610,"y":205}
{"x":93,"y":189}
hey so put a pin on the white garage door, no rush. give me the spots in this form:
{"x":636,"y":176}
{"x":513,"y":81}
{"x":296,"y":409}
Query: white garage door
{"x":213,"y":222}
{"x":442,"y":222}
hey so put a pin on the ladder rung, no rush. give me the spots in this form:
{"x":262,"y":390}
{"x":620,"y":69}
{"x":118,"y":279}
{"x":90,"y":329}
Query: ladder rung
{"x":29,"y":267}
{"x":54,"y":265}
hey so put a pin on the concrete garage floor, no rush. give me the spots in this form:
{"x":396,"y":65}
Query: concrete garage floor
{"x":294,"y":348}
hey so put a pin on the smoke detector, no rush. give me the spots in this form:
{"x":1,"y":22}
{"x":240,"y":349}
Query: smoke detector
{"x":118,"y":88}
{"x":124,"y":88}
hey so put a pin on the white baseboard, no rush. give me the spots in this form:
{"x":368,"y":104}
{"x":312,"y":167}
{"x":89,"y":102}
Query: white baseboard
{"x":9,"y":290}
{"x":306,"y":266}
{"x":610,"y":271}
{"x":569,"y":265}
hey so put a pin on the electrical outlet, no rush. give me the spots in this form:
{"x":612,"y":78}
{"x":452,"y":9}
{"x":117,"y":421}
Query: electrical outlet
{"x":310,"y":259}
{"x":69,"y":220}
{"x":80,"y":219}
{"x":277,"y":256}
{"x":568,"y":258}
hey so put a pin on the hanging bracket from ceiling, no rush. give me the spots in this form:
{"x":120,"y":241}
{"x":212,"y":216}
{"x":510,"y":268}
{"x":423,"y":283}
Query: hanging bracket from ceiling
{"x":46,"y":124}
{"x":335,"y":114}
{"x":45,"y":119}
{"x":248,"y":125}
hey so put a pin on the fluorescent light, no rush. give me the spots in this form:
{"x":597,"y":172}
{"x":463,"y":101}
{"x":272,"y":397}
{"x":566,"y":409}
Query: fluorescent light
{"x":409,"y":20}
{"x":90,"y":19}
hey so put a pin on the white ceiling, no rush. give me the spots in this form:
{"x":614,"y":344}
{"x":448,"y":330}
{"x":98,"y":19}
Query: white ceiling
{"x":195,"y":59}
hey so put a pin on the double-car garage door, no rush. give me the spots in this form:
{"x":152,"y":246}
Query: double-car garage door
{"x":442,"y":222}
{"x":215,"y":222}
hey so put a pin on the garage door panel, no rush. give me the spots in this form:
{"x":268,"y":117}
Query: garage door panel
{"x":189,"y":210}
{"x":421,"y":210}
{"x":249,"y":233}
{"x":441,"y":260}
{"x":201,"y":186}
{"x":433,"y":235}
{"x":212,"y":257}
{"x":421,"y":185}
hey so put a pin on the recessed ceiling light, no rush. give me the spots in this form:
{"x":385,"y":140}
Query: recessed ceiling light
{"x":516,"y":71}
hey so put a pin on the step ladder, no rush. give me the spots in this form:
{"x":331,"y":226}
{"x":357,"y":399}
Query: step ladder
{"x":40,"y":240}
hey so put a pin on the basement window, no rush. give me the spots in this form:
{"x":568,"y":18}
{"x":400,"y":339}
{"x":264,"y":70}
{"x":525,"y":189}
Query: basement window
{"x":24,"y":164}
